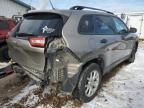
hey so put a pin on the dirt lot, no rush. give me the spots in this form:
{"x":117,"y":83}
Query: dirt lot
{"x":10,"y":86}
{"x":122,"y":88}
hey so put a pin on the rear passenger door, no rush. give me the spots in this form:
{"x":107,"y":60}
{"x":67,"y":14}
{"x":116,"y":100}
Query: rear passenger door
{"x":107,"y":38}
{"x":103,"y":37}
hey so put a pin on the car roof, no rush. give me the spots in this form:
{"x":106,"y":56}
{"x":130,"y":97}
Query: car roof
{"x":69,"y":12}
{"x":62,"y":12}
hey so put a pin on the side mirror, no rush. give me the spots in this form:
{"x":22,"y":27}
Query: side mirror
{"x":133,"y":30}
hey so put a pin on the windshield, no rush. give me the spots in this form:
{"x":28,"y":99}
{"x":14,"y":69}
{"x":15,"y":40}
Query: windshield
{"x":41,"y":25}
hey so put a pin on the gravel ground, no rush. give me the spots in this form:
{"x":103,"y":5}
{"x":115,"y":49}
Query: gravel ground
{"x":122,"y":88}
{"x":10,"y":86}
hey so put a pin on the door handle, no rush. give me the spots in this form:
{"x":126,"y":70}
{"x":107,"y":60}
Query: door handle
{"x":103,"y":41}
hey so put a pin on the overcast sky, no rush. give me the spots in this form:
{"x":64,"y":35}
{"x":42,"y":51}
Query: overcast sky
{"x":112,"y":5}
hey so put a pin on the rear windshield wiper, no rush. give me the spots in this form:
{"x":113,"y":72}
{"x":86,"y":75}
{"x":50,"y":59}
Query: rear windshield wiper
{"x":25,"y":34}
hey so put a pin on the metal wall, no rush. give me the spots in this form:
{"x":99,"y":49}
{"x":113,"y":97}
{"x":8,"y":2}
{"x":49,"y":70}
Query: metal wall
{"x":135,"y":20}
{"x":9,"y":8}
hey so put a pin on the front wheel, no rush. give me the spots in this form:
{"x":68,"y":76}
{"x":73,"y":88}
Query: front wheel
{"x":132,"y":56}
{"x":89,"y":82}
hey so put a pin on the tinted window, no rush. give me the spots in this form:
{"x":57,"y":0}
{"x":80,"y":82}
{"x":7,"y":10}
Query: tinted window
{"x":120,"y":26}
{"x":3,"y":25}
{"x":103,"y":25}
{"x":96,"y":25}
{"x":86,"y":25}
{"x":41,"y":25}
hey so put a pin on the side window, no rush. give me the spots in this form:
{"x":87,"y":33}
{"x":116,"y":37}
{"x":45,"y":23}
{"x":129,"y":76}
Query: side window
{"x":86,"y":25}
{"x":120,"y":26}
{"x":103,"y":25}
{"x":3,"y":25}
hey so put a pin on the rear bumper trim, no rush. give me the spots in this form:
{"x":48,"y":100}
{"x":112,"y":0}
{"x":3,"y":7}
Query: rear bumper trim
{"x":32,"y":75}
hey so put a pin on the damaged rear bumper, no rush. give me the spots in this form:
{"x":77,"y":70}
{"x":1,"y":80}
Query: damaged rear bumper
{"x":62,"y":67}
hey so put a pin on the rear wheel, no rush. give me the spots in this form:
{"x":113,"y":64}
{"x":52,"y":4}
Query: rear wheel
{"x":89,"y":82}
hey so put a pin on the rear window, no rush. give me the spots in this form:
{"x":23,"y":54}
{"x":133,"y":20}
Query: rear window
{"x":86,"y":25}
{"x":3,"y":25}
{"x":41,"y":25}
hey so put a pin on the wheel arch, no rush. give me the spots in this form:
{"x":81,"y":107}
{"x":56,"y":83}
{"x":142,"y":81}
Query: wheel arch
{"x":99,"y":60}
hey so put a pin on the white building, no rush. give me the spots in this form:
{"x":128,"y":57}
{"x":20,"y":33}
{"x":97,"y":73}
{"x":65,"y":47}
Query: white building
{"x":134,"y":19}
{"x":8,"y":8}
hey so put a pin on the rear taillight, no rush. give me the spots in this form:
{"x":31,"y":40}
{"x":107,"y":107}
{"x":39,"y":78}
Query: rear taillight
{"x":37,"y":42}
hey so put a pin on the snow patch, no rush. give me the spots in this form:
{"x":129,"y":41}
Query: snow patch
{"x":28,"y":89}
{"x":125,"y":89}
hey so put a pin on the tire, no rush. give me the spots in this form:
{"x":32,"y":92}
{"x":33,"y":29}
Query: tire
{"x":132,"y":56}
{"x":90,"y":80}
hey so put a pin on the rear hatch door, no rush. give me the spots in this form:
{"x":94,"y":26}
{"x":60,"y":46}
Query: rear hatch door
{"x":26,"y":43}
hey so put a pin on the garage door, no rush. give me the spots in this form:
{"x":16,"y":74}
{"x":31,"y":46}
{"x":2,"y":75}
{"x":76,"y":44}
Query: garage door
{"x":137,"y":22}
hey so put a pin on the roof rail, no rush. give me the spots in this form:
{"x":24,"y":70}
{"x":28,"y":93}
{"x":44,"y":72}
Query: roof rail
{"x":84,"y":7}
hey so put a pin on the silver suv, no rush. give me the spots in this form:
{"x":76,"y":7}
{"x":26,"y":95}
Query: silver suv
{"x":71,"y":48}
